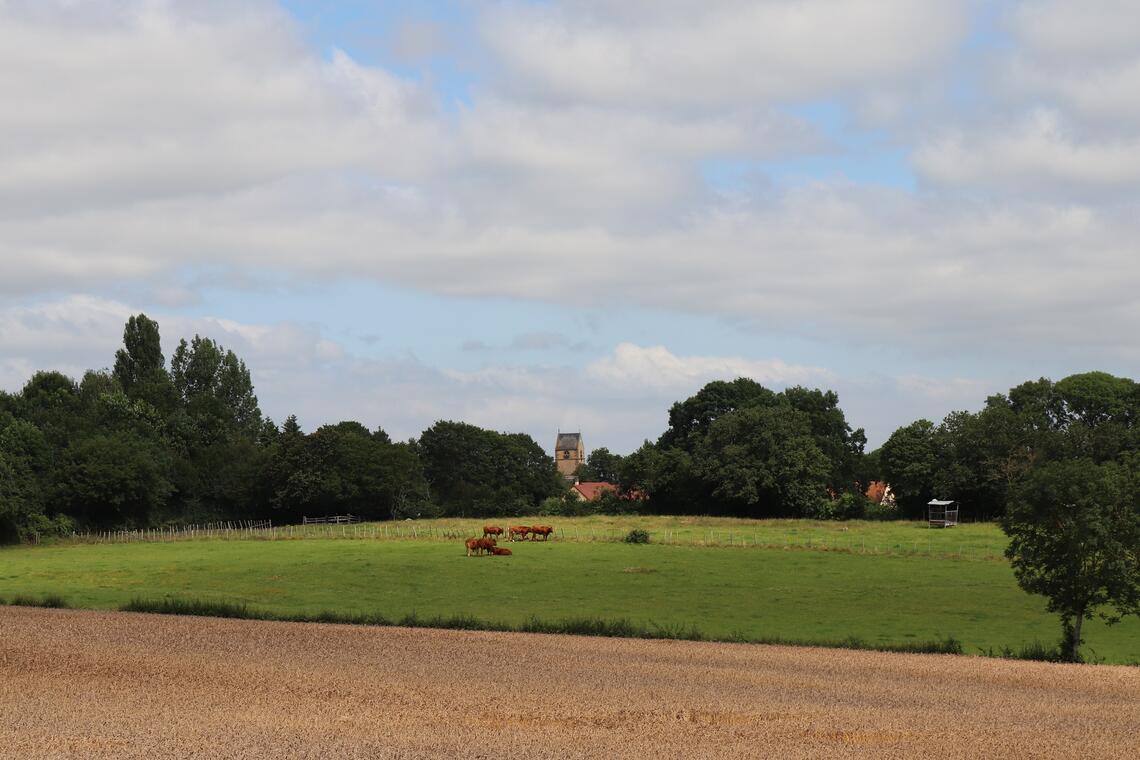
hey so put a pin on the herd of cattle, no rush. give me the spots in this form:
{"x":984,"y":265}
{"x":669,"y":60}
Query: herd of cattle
{"x":487,"y":544}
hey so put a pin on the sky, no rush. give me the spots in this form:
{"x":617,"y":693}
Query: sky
{"x":570,"y":214}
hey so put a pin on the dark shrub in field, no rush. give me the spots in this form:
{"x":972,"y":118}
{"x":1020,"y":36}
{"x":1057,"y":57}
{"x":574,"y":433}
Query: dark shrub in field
{"x":637,"y":536}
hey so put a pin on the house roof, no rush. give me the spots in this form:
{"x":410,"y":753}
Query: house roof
{"x":567,"y":441}
{"x":591,"y":491}
{"x":939,"y":503}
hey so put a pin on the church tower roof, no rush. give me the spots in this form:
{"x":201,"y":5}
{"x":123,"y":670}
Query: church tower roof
{"x":567,"y":441}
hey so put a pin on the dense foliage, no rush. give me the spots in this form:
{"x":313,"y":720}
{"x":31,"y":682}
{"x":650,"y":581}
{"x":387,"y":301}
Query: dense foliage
{"x":737,"y":448}
{"x":152,"y":444}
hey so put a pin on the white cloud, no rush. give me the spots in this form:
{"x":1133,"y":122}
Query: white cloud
{"x":155,"y":140}
{"x":715,"y":53}
{"x":145,"y":100}
{"x":1039,"y":155}
{"x":636,"y":369}
{"x":70,"y":336}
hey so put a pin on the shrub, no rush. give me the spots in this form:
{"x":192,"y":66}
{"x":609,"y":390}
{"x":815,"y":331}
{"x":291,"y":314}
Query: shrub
{"x":47,"y":600}
{"x":613,"y":503}
{"x":198,"y":607}
{"x":849,"y":506}
{"x":881,"y":512}
{"x":637,"y":536}
{"x":565,"y":506}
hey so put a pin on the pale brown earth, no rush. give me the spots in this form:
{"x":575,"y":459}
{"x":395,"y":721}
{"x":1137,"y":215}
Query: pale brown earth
{"x":94,"y":684}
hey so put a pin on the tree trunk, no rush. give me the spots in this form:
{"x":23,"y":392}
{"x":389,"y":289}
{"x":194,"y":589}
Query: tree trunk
{"x":1073,"y":636}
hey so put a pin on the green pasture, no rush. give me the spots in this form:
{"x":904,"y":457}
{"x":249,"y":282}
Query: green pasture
{"x":723,"y":592}
{"x":967,"y":541}
{"x":974,"y":540}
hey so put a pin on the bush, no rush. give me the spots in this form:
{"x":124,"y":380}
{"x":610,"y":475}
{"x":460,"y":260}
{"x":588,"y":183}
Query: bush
{"x":613,"y":503}
{"x":881,"y":512}
{"x":53,"y":601}
{"x":849,"y":506}
{"x":565,"y":506}
{"x":637,"y":536}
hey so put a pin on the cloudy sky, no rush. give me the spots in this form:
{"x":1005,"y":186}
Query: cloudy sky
{"x":533,"y":215}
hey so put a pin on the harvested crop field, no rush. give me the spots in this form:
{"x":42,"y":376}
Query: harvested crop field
{"x":96,"y":684}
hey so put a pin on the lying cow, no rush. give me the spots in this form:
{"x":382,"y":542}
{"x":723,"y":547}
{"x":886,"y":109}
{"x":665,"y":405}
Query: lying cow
{"x":501,"y":551}
{"x":492,"y":530}
{"x":517,"y":532}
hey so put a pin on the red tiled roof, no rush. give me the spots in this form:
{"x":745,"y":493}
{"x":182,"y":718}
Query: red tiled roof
{"x":591,"y":491}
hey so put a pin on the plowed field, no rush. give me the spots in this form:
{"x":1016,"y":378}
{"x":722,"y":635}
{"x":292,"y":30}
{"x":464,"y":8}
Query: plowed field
{"x":94,"y":684}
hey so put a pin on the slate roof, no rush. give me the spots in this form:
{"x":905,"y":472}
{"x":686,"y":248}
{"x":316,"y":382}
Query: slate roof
{"x":567,"y":441}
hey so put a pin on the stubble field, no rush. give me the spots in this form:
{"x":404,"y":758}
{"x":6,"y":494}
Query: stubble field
{"x":98,"y":684}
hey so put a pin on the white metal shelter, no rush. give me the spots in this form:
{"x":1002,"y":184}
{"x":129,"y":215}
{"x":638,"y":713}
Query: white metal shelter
{"x":941,"y":514}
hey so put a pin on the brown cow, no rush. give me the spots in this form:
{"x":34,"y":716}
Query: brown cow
{"x":479,"y":545}
{"x":517,"y":532}
{"x":492,"y":530}
{"x":501,"y":551}
{"x":541,"y":530}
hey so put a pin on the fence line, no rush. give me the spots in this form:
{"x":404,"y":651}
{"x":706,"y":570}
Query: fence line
{"x":265,"y":530}
{"x":333,"y":519}
{"x":224,"y":529}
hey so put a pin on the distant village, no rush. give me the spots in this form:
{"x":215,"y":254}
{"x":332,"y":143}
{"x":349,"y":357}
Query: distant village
{"x":569,"y":457}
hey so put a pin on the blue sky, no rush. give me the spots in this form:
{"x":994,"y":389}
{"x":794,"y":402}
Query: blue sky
{"x":573,"y":213}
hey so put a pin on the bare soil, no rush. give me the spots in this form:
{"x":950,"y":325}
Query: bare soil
{"x":96,"y":684}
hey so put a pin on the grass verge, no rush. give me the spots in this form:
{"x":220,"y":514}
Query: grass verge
{"x":620,"y":628}
{"x":47,"y":600}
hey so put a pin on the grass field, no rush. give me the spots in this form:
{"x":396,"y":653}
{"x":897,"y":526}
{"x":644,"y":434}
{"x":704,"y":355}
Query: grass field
{"x":723,"y":592}
{"x":972,"y":541}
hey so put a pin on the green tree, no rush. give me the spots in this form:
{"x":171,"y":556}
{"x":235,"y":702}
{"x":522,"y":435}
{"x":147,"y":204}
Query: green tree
{"x":667,"y":475}
{"x":52,"y":403}
{"x":475,"y":472}
{"x":291,"y":475}
{"x":835,"y":439}
{"x":117,"y":479}
{"x":689,"y":419}
{"x":140,"y":367}
{"x":601,"y":466}
{"x":1099,"y":414}
{"x":908,"y":460}
{"x":23,"y":460}
{"x":763,"y":462}
{"x":215,"y":388}
{"x":365,"y":474}
{"x":1074,"y":529}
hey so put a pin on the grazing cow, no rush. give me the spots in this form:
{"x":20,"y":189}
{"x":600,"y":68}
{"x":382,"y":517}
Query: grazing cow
{"x":517,"y":532}
{"x":501,"y":551}
{"x":479,"y":546}
{"x":541,"y":530}
{"x":492,"y":530}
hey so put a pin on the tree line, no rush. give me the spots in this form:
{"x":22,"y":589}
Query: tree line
{"x":151,"y":443}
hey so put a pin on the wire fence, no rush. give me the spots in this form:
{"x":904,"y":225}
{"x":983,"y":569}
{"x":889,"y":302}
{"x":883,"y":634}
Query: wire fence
{"x":409,"y":531}
{"x":226,"y":529}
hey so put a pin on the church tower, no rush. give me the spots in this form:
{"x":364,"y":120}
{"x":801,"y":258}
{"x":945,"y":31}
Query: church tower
{"x":569,"y":454}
